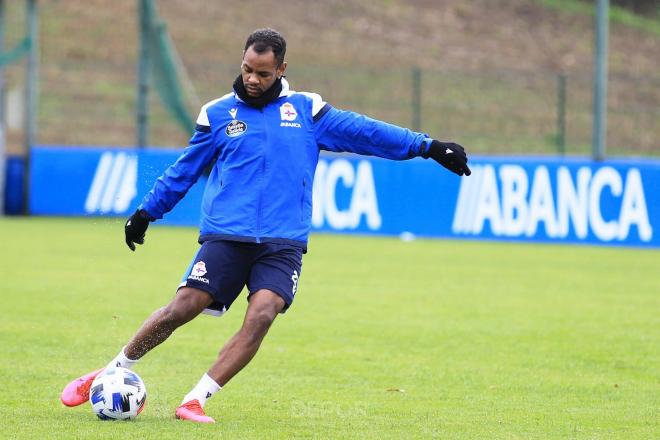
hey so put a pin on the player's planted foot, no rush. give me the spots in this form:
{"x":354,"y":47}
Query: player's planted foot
{"x":194,"y":412}
{"x":77,"y":392}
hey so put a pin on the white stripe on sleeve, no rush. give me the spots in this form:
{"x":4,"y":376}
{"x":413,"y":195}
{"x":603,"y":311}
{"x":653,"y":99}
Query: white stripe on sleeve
{"x":203,"y":118}
{"x":317,"y":102}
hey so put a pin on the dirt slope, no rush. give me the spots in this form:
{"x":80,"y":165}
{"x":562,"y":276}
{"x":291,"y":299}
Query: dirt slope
{"x":88,"y":52}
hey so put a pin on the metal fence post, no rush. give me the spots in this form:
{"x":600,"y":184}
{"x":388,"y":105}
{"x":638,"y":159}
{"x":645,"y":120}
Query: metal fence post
{"x":32,"y":73}
{"x":142,"y":110}
{"x":32,"y":92}
{"x":599,"y":133}
{"x":416,"y":101}
{"x":561,"y":113}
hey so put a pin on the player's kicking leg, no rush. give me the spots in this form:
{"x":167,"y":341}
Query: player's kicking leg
{"x":262,"y":310}
{"x":187,"y":304}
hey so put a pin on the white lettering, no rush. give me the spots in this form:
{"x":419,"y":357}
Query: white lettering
{"x":363,"y":200}
{"x":633,"y":208}
{"x":339,"y":169}
{"x":580,"y":204}
{"x":571,"y":202}
{"x":290,"y":124}
{"x":363,"y":196}
{"x":488,"y":203}
{"x":294,"y":278}
{"x":541,"y":204}
{"x":196,"y":278}
{"x":514,"y":203}
{"x":605,"y":176}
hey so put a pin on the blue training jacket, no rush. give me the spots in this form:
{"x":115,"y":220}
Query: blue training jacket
{"x":263,"y":163}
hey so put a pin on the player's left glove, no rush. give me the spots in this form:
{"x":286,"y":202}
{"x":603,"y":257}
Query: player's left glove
{"x":450,"y":155}
{"x":136,"y":227}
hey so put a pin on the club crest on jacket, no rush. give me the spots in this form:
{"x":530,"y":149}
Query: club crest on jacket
{"x":236,"y":128}
{"x":288,"y":112}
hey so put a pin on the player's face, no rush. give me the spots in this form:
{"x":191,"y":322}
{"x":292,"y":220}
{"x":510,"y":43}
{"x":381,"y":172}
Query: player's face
{"x":259,"y":71}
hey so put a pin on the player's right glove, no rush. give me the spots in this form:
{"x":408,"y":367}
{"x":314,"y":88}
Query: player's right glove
{"x":450,"y":155}
{"x":136,"y":227}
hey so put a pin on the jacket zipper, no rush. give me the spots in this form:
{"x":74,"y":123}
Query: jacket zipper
{"x":263,"y":172}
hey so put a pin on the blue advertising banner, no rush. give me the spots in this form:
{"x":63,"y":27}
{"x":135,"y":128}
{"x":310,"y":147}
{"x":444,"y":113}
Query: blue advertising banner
{"x":507,"y":198}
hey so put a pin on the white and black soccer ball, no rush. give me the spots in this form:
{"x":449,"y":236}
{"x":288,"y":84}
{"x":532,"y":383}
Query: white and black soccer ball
{"x":117,"y":394}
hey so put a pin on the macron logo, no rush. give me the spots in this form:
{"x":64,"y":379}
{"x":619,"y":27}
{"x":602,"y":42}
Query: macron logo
{"x":115,"y":184}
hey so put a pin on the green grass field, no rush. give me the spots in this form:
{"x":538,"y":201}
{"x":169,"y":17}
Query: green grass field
{"x":386,"y":339}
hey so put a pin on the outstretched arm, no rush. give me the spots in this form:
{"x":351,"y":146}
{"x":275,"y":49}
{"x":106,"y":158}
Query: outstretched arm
{"x":338,"y":130}
{"x":174,"y":183}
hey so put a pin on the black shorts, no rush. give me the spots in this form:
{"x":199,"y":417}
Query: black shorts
{"x":222,"y":268}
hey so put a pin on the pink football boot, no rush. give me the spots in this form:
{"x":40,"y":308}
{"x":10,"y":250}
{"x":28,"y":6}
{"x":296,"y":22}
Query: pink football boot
{"x":194,"y":412}
{"x":77,"y":392}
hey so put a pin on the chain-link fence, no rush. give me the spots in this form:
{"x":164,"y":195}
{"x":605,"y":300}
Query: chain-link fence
{"x":498,"y":112}
{"x":88,"y":98}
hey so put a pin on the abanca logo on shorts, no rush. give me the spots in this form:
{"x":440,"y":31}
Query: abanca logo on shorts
{"x":198,"y":272}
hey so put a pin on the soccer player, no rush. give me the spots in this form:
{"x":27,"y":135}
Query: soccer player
{"x":262,"y":142}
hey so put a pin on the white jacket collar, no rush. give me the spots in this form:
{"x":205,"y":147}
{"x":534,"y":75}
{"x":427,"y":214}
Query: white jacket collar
{"x":285,"y":87}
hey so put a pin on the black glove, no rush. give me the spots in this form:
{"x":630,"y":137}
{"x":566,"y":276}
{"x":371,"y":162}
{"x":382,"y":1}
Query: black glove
{"x":450,"y":155}
{"x":136,"y":227}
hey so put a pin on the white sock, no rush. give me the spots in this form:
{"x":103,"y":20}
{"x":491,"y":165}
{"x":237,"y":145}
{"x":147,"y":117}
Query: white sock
{"x":121,"y":361}
{"x":203,"y":390}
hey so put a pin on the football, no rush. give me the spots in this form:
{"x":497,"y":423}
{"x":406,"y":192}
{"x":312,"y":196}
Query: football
{"x":117,"y":394}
